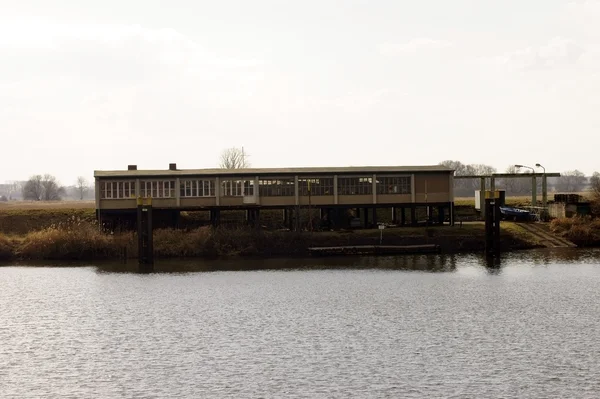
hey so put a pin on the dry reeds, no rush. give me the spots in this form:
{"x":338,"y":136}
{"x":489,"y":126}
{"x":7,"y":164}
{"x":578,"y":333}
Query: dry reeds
{"x":583,"y":231}
{"x":73,"y":239}
{"x":7,"y":247}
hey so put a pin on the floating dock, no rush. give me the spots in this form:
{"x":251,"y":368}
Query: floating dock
{"x":375,"y":250}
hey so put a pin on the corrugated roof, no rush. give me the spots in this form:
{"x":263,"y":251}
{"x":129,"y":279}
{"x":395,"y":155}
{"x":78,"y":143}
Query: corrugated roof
{"x":273,"y":171}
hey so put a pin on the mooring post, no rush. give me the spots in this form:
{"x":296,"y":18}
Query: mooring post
{"x":492,"y":223}
{"x":144,"y":231}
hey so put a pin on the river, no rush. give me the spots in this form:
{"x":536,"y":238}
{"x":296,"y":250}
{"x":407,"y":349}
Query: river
{"x":397,"y":327}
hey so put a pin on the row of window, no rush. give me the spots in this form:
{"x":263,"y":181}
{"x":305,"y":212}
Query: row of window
{"x":266,"y":188}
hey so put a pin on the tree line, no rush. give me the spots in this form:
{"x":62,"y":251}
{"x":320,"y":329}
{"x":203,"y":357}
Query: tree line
{"x":569,"y":181}
{"x":47,"y":188}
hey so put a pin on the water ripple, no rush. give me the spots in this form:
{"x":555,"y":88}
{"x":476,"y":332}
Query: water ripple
{"x":526,"y":332}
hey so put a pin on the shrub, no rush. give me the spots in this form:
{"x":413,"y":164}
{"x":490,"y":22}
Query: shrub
{"x":7,"y":247}
{"x":176,"y":243}
{"x":581,"y":230}
{"x":74,"y":239}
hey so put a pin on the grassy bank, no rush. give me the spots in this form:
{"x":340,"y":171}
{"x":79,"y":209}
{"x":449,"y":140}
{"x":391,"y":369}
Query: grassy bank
{"x":20,"y":221}
{"x":583,"y":231}
{"x":81,"y":239}
{"x":15,"y":220}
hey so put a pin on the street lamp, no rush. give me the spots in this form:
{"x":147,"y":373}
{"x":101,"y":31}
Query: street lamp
{"x":544,"y":186}
{"x":525,"y":166}
{"x":533,"y":184}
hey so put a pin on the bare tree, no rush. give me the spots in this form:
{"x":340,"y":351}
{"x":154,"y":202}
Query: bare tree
{"x":52,"y":189}
{"x":234,"y":158}
{"x":43,"y":188}
{"x":595,"y":183}
{"x":82,"y":186}
{"x":33,"y":188}
{"x":517,"y":185}
{"x":571,"y":181}
{"x":466,"y":187}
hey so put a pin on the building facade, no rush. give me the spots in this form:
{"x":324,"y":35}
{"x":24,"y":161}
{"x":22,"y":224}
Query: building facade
{"x":401,"y":188}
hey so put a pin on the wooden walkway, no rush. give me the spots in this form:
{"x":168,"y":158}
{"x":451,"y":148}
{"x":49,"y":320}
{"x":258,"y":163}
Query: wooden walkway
{"x":375,"y":250}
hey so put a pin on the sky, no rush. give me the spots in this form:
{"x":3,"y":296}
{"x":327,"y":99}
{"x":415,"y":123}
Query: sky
{"x":99,"y":85}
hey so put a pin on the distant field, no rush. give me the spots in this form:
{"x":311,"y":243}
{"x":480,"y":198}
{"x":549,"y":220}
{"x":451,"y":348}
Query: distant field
{"x":47,"y":205}
{"x":522,"y":200}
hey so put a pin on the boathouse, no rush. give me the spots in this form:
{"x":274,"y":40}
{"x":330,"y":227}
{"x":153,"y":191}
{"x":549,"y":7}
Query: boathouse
{"x":335,"y":192}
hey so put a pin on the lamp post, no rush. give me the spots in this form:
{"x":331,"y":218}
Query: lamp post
{"x":533,"y":184}
{"x":544,"y":187}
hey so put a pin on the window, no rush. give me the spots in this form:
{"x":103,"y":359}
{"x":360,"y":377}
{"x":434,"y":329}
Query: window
{"x":197,"y":188}
{"x":117,"y":189}
{"x":237,"y":188}
{"x":276,"y":188}
{"x":158,"y":189}
{"x":317,"y":186}
{"x":393,"y":185}
{"x":355,"y":185}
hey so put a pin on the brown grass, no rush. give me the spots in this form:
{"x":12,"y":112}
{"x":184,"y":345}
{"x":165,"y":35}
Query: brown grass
{"x":583,"y":231}
{"x":86,"y":204}
{"x":82,"y":240}
{"x":73,"y":239}
{"x":7,"y":247}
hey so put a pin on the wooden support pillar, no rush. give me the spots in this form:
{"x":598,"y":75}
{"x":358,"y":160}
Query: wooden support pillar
{"x":413,"y":215}
{"x":366,"y":217}
{"x":257,"y":218}
{"x":215,"y":217}
{"x":176,"y":218}
{"x":374,"y":215}
{"x":145,"y":235}
{"x":440,"y":214}
{"x":492,"y":225}
{"x":451,"y":210}
{"x":250,"y":217}
{"x":402,"y":216}
{"x":394,"y":219}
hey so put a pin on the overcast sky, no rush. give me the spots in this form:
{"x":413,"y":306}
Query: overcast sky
{"x":98,"y":85}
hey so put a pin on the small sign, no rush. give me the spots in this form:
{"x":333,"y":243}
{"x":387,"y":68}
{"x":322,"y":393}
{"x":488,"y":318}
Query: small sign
{"x":381,"y":227}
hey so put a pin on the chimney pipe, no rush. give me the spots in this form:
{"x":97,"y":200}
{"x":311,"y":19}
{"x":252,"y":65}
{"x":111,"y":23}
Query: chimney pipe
{"x":131,"y":167}
{"x":172,"y":166}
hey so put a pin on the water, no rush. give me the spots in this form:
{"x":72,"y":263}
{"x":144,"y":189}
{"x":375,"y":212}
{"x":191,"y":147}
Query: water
{"x":398,"y":327}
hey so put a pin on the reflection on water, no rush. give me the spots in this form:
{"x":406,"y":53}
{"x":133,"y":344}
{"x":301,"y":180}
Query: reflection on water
{"x":424,"y":263}
{"x":441,"y":263}
{"x":404,"y":326}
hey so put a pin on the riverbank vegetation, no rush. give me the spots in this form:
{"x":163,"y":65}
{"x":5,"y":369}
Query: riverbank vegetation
{"x":583,"y":231}
{"x":83,"y":240}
